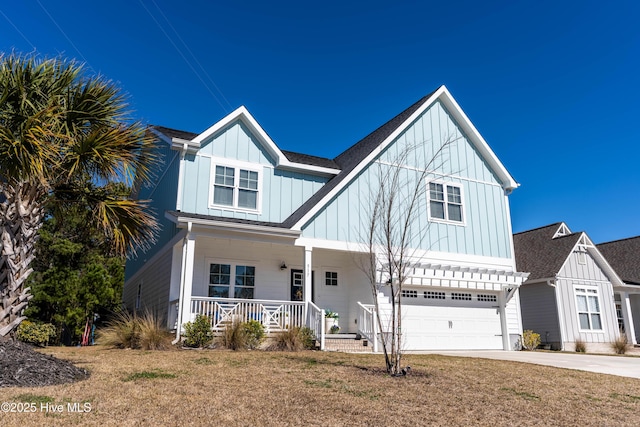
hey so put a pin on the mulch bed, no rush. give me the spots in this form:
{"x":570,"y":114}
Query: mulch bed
{"x":22,"y":366}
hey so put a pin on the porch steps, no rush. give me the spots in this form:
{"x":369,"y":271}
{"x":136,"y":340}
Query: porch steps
{"x":347,"y":343}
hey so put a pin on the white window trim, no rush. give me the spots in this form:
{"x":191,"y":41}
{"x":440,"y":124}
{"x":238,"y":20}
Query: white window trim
{"x":324,"y":277}
{"x":232,"y":274}
{"x":462,"y":202}
{"x":236,"y":165}
{"x":597,"y":294}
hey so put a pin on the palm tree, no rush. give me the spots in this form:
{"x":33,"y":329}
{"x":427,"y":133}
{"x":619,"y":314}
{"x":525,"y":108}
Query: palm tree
{"x":63,"y":137}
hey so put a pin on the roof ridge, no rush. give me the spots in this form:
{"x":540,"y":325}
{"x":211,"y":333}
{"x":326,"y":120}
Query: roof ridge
{"x":618,"y":240}
{"x":539,"y":228}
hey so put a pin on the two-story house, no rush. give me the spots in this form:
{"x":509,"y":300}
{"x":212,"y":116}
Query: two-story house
{"x":250,"y":231}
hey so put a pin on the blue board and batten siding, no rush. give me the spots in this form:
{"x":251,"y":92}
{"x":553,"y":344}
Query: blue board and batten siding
{"x":282,"y":192}
{"x":162,"y":196}
{"x":485,"y":231}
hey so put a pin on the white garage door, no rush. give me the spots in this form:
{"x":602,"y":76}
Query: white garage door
{"x":471,"y":327}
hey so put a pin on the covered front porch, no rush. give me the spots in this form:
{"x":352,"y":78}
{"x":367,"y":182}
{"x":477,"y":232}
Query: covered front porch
{"x":236,"y":272}
{"x":275,"y":316}
{"x":627,"y":301}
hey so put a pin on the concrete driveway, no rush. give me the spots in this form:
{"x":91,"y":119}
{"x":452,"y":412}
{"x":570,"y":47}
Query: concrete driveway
{"x":612,"y":365}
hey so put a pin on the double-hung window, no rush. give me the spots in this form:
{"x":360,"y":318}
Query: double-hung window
{"x":445,"y":202}
{"x":588,"y":303}
{"x":228,"y":281}
{"x":235,"y":187}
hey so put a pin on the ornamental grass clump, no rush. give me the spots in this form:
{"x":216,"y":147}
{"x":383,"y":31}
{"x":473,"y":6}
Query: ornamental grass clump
{"x":294,"y":339}
{"x":126,"y":330}
{"x":530,"y":340}
{"x":581,"y":346}
{"x":234,"y":336}
{"x":620,"y":344}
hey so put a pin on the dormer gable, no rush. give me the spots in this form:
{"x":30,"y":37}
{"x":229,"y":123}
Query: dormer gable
{"x":562,"y":230}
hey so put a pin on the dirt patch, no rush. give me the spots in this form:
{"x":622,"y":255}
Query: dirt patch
{"x":22,"y":366}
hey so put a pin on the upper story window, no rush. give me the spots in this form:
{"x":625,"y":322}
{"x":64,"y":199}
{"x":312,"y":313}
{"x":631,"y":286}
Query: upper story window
{"x":236,"y":187}
{"x":588,"y":302}
{"x":445,"y":202}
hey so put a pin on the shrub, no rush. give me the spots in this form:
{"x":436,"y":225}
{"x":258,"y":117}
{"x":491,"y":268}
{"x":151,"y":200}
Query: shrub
{"x":530,"y":340}
{"x":234,"y":336}
{"x":254,"y":332}
{"x":620,"y":344}
{"x":198,"y":333}
{"x":127,"y":330}
{"x":294,"y":339}
{"x":35,"y":333}
{"x":581,"y":346}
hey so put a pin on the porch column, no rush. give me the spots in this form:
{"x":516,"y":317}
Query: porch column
{"x":308,"y":265}
{"x":502,"y":308}
{"x":627,"y":318}
{"x":186,"y":279}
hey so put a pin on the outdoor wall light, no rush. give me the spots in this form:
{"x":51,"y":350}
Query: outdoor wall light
{"x":283,"y":266}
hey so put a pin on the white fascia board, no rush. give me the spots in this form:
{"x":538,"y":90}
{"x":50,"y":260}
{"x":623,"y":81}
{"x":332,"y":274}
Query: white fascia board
{"x":508,"y":183}
{"x":265,"y":140}
{"x":184,"y":145}
{"x":183,"y":221}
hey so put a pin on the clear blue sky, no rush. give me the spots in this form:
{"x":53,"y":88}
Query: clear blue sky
{"x":553,"y":86}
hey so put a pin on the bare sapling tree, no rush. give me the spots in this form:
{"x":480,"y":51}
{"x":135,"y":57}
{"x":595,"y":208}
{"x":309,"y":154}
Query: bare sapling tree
{"x":394,"y":238}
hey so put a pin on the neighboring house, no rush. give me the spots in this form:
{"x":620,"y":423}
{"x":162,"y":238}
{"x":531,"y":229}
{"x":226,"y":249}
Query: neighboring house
{"x":568,"y":295}
{"x":624,"y":257}
{"x":254,"y":232}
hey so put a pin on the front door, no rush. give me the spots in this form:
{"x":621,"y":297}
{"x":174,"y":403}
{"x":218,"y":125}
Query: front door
{"x":297,"y":285}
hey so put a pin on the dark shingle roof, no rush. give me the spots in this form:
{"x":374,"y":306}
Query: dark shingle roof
{"x":624,"y":256}
{"x":538,"y":253}
{"x":307,"y":159}
{"x":352,"y":156}
{"x":175,"y":133}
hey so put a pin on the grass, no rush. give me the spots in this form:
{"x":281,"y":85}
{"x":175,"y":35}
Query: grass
{"x":219,"y":387}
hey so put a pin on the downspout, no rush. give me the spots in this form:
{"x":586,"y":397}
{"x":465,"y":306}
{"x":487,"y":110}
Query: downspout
{"x":182,"y":282}
{"x":183,"y":154}
{"x":559,"y":309}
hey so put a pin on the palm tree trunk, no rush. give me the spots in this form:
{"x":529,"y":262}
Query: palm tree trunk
{"x":21,"y":216}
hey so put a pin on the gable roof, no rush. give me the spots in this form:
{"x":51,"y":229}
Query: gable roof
{"x":291,"y":156}
{"x":354,"y":159}
{"x":540,"y":254}
{"x":544,"y":251}
{"x":624,"y":257}
{"x":349,"y":163}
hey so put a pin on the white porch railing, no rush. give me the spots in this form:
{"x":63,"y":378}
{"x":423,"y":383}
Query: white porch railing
{"x":368,"y":323}
{"x":315,"y":321}
{"x":275,"y":316}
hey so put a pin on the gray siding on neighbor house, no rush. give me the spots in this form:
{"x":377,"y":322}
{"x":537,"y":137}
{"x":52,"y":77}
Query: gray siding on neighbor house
{"x":573,"y":275}
{"x":155,"y":278}
{"x":540,"y":311}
